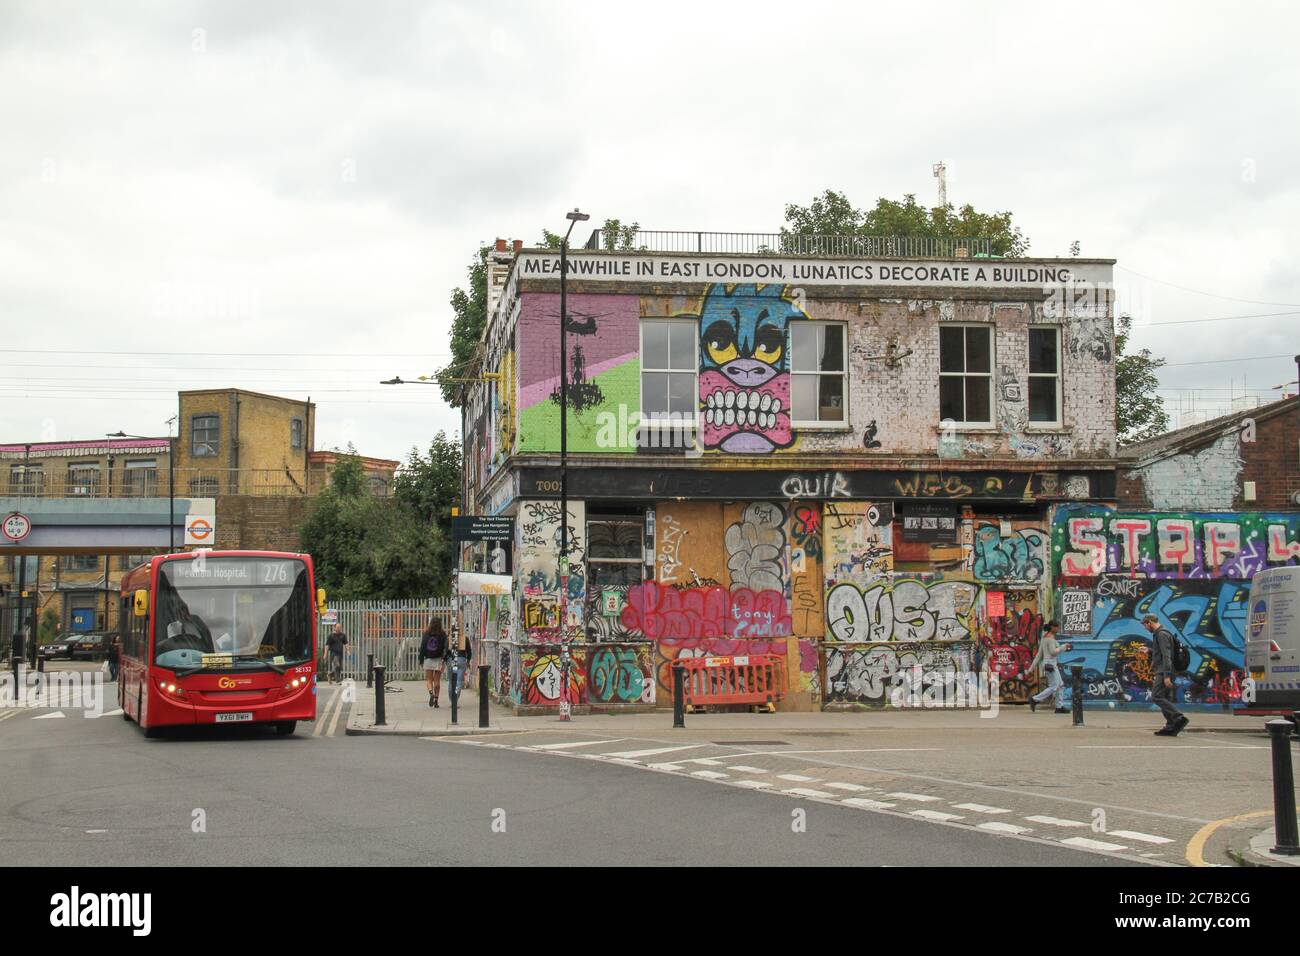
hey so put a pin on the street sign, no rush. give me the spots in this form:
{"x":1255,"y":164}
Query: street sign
{"x":330,"y":618}
{"x":17,"y":526}
{"x":200,"y":529}
{"x":483,"y":528}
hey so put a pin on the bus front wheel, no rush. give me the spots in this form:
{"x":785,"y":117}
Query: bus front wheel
{"x":285,"y":728}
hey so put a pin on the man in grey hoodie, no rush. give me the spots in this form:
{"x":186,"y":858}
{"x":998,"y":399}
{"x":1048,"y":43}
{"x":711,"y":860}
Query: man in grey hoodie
{"x":1162,"y":677}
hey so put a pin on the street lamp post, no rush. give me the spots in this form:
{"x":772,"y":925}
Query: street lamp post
{"x":574,"y":218}
{"x":22,"y":642}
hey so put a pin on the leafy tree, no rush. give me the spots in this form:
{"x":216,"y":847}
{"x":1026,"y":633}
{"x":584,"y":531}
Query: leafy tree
{"x":470,"y":309}
{"x":832,"y":214}
{"x":1139,"y":411}
{"x":429,"y":486}
{"x":368,"y":547}
{"x":614,"y":237}
{"x":48,"y":628}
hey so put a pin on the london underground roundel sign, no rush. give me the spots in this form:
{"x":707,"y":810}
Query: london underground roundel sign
{"x":17,"y":526}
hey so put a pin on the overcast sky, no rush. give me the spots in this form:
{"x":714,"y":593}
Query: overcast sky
{"x":281,"y":195}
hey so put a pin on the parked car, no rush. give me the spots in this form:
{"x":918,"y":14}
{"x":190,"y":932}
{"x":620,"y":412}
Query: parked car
{"x":61,"y":646}
{"x":91,"y":646}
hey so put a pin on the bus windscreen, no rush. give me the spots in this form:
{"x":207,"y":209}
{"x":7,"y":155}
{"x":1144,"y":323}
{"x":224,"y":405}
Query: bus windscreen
{"x":245,"y":612}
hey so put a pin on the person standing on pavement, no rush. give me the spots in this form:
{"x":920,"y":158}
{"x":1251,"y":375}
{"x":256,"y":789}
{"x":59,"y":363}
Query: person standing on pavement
{"x":1049,"y":649}
{"x":335,"y":643}
{"x":114,"y":656}
{"x":457,"y":662}
{"x":433,"y":650}
{"x":1162,"y":677}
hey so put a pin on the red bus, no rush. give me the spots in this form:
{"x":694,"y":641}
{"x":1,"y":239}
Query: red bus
{"x":219,"y":637}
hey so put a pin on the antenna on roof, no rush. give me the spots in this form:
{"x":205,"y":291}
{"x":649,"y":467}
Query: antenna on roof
{"x":940,"y":171}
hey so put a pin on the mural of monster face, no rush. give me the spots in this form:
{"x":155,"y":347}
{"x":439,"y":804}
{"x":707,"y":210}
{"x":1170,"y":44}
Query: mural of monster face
{"x":744,"y":369}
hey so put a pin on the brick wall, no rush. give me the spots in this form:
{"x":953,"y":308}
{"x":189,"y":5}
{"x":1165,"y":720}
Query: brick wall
{"x":1272,"y":461}
{"x":255,"y":523}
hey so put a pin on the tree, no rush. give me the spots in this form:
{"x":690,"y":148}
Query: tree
{"x":429,"y":486}
{"x":470,"y":309}
{"x":832,"y":214}
{"x":368,"y":547}
{"x":1139,"y":411}
{"x":614,"y":237}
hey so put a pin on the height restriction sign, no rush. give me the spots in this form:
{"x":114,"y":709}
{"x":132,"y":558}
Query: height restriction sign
{"x":17,"y":526}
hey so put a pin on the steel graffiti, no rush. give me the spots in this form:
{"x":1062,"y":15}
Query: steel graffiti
{"x":658,"y":612}
{"x":902,"y":610}
{"x":621,"y":675}
{"x":866,"y":673}
{"x":1017,"y":556}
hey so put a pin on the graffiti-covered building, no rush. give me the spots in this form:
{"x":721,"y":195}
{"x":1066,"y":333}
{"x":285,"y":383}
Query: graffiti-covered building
{"x":848,"y":461}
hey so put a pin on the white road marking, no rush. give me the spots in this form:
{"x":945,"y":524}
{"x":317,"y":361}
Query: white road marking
{"x":919,"y":797}
{"x":808,"y":792}
{"x":1056,"y":822}
{"x":743,"y":769}
{"x":651,"y":752}
{"x":851,"y":787}
{"x":57,"y":713}
{"x":753,"y":784}
{"x":665,"y":766}
{"x":709,"y":774}
{"x":1140,"y":837}
{"x":979,"y":808}
{"x":997,"y":826}
{"x":324,"y":716}
{"x":1085,"y":844}
{"x":706,"y":761}
{"x":9,"y":713}
{"x":1170,"y":747}
{"x":868,"y":804}
{"x":796,"y":778}
{"x":338,"y":709}
{"x":107,"y":713}
{"x":936,"y":815}
{"x":573,"y":743}
{"x":96,"y":831}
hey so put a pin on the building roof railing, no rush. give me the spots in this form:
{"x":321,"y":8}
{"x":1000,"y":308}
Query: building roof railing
{"x":793,"y":244}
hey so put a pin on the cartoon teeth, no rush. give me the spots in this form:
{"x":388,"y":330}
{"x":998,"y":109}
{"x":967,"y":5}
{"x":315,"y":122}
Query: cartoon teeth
{"x":740,"y":408}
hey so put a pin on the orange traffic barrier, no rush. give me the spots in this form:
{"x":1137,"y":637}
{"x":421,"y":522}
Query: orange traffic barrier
{"x":753,"y":679}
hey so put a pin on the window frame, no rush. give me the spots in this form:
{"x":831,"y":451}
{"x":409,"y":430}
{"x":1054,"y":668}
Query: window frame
{"x":145,"y":482}
{"x":991,"y":331}
{"x":194,"y":442}
{"x":77,"y":473}
{"x":626,"y":520}
{"x":295,"y":434}
{"x":1059,"y":420}
{"x":828,"y":423}
{"x":642,"y":416}
{"x":25,"y":472}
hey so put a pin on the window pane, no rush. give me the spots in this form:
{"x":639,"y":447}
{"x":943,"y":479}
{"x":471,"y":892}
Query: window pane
{"x":951,"y":346}
{"x":601,"y":575}
{"x":654,"y":393}
{"x":1042,"y":398}
{"x":952,"y":398}
{"x":803,"y":400}
{"x":977,"y":399}
{"x":833,"y":348}
{"x":614,"y":539}
{"x":654,"y":344}
{"x":831,"y":399}
{"x":682,"y":337}
{"x":803,"y":346}
{"x":1042,"y":351}
{"x":682,"y":399}
{"x":977,"y":352}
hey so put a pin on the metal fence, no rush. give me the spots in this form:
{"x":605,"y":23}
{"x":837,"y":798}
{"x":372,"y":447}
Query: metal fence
{"x":390,"y":630}
{"x":792,"y":244}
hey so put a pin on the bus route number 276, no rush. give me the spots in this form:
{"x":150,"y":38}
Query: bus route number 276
{"x":274,"y":572}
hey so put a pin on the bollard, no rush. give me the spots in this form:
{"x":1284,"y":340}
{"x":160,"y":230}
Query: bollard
{"x":483,"y":694}
{"x":566,"y":706}
{"x":1076,"y":695}
{"x":378,"y":672}
{"x":370,"y":669}
{"x":679,"y":694}
{"x":40,"y":665}
{"x":455,"y":687}
{"x":1284,"y":821}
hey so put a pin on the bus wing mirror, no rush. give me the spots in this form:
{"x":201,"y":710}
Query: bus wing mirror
{"x":141,"y":602}
{"x":320,"y":600}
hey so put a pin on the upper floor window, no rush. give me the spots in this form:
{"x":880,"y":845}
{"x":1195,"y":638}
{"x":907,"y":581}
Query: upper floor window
{"x":140,"y":477}
{"x":669,"y":363}
{"x":818,"y":381}
{"x":205,"y":486}
{"x":295,"y":433}
{"x":966,"y":374}
{"x":1045,"y":376}
{"x":81,"y":562}
{"x":378,"y":485}
{"x":205,"y":431}
{"x":83,"y":478}
{"x":26,"y":479}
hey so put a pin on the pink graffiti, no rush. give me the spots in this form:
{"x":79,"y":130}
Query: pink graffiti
{"x":660,"y":611}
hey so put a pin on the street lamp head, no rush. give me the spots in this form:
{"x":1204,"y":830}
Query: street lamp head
{"x":395,"y":380}
{"x":576,"y":216}
{"x":116,"y":435}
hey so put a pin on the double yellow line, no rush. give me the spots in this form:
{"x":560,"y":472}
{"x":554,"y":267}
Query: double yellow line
{"x":1196,"y":847}
{"x":330,"y":714}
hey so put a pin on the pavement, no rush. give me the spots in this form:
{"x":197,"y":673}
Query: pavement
{"x":1108,"y":787}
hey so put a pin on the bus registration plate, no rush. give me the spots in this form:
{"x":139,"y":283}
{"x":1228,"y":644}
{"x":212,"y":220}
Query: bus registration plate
{"x":234,"y":717}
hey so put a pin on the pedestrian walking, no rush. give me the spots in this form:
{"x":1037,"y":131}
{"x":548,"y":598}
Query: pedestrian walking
{"x":1049,"y":649}
{"x":457,"y":662}
{"x":1163,"y":670}
{"x":114,"y":657}
{"x":335,"y":643}
{"x":433,"y":652}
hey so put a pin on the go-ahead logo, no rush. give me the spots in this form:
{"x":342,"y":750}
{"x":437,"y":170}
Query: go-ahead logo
{"x":75,"y":909}
{"x":1258,"y":618}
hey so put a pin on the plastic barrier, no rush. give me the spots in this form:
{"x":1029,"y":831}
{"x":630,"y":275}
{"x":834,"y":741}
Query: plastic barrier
{"x":754,"y":679}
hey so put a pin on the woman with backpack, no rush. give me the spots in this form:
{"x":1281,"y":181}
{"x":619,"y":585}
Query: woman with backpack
{"x":433,"y":649}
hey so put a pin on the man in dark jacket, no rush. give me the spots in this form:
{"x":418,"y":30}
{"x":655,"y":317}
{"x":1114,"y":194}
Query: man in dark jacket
{"x":335,"y":643}
{"x":1162,"y":677}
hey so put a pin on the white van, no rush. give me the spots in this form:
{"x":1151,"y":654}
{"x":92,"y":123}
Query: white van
{"x":1273,"y":639}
